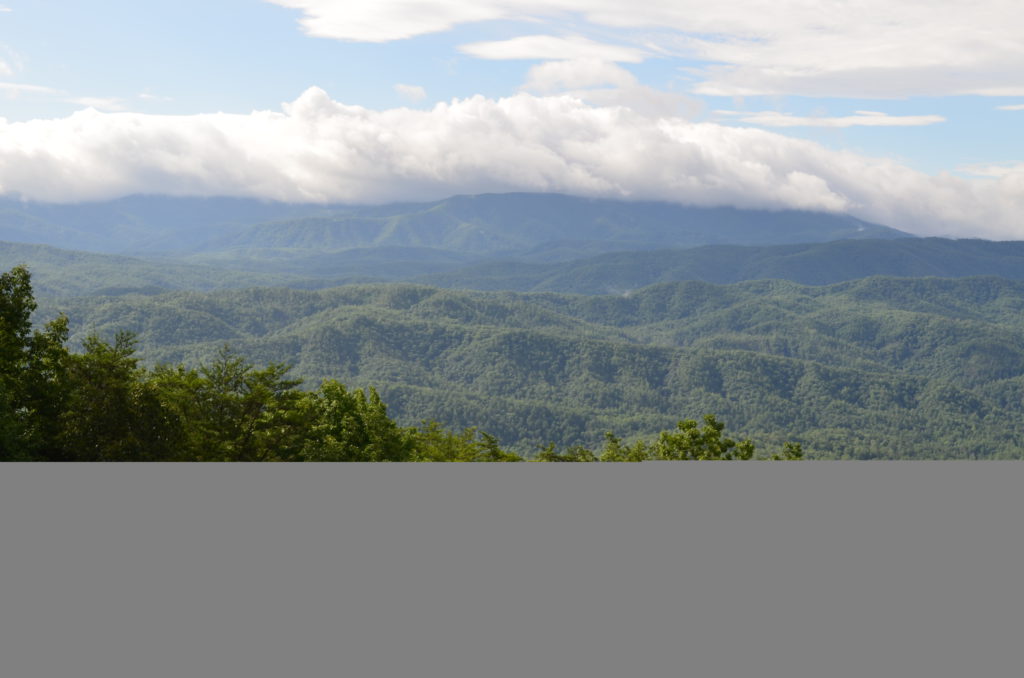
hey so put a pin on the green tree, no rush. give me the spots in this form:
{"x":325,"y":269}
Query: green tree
{"x":576,"y":453}
{"x":691,"y":441}
{"x":353,"y":426}
{"x":433,"y":443}
{"x":32,"y":369}
{"x":232,"y":411}
{"x":113,"y":411}
{"x":615,"y":450}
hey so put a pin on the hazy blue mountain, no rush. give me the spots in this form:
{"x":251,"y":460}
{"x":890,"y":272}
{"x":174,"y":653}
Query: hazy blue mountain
{"x":546,"y":227}
{"x":142,"y":223}
{"x":537,"y":227}
{"x":809,"y":264}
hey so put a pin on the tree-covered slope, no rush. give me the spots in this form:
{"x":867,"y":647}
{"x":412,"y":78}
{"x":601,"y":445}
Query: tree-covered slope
{"x":808,"y":263}
{"x":878,"y":367}
{"x":75,"y":273}
{"x":79,"y":273}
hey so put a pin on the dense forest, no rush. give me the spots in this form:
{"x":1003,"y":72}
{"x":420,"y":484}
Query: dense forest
{"x":880,"y":367}
{"x":101,"y":405}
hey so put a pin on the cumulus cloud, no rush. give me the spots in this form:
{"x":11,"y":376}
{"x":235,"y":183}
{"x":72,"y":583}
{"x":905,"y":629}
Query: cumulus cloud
{"x":551,"y":47}
{"x":316,"y":149}
{"x":411,"y":92}
{"x":866,"y":48}
{"x":860,"y":118}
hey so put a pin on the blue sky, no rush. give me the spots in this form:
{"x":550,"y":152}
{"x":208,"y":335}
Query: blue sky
{"x":910,"y":115}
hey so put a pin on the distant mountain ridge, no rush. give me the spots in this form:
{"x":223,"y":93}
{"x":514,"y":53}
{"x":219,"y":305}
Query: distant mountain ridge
{"x":60,"y":272}
{"x":807,"y":264}
{"x":528,"y":225}
{"x":546,"y":227}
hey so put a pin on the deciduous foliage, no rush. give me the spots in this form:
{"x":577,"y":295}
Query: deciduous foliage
{"x":102,"y":405}
{"x":33,"y":365}
{"x":353,"y":426}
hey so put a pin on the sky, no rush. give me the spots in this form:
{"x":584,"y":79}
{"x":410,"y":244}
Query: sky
{"x":910,"y":114}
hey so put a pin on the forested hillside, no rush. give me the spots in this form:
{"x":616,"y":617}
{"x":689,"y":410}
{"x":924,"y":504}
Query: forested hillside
{"x":880,"y":367}
{"x":807,"y":263}
{"x":68,"y":272}
{"x":75,"y":273}
{"x":101,"y":405}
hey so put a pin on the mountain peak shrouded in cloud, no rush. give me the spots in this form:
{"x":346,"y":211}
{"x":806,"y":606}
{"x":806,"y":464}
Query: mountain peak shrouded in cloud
{"x":781,"y":104}
{"x":319,"y":150}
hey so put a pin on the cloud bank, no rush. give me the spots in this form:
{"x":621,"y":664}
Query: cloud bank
{"x":862,"y":48}
{"x":320,"y":150}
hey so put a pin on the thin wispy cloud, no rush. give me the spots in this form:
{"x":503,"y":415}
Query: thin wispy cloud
{"x":101,"y":103}
{"x":549,"y":47}
{"x":605,"y":84}
{"x":870,"y":48}
{"x":1011,"y":107}
{"x":149,"y":96}
{"x":317,"y":149}
{"x":411,"y":93}
{"x":15,"y":89}
{"x":18,"y":88}
{"x":858,"y":119}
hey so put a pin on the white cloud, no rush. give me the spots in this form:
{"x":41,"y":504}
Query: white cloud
{"x":605,"y":84}
{"x":560,"y":76}
{"x":411,"y":92}
{"x":860,"y":118}
{"x":386,"y":20}
{"x":317,"y":149}
{"x":994,"y":171}
{"x":867,"y":48}
{"x":5,"y":68}
{"x":4,"y":8}
{"x":551,"y":47}
{"x":1011,"y":107}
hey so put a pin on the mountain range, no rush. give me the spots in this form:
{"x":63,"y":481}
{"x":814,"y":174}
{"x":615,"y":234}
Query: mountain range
{"x":855,"y":339}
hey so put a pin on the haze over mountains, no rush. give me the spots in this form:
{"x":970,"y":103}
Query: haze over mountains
{"x":522,"y":223}
{"x":522,"y":242}
{"x":679,"y":319}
